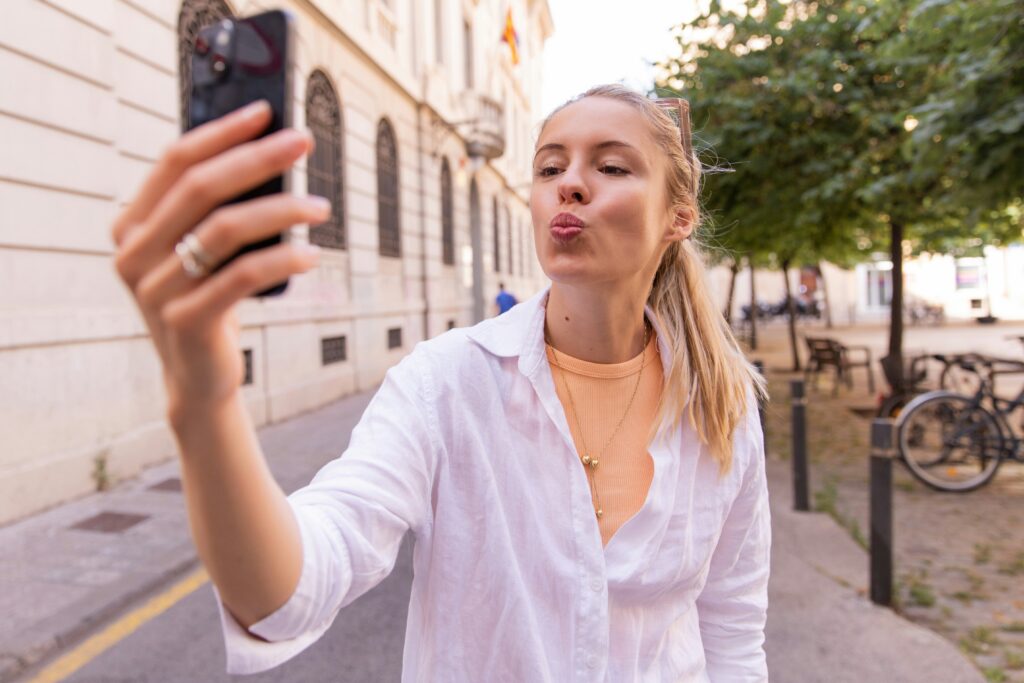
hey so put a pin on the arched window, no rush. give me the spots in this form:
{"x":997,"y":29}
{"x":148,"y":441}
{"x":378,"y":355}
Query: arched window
{"x":447,"y":215}
{"x":508,"y":241}
{"x":387,"y":191}
{"x":195,"y":14}
{"x":497,"y":238}
{"x":325,"y":171}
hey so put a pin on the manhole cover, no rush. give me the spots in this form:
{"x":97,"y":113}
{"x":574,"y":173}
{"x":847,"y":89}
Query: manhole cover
{"x":110,"y":522}
{"x":172,"y":484}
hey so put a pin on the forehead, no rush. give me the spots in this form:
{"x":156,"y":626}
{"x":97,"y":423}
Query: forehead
{"x":593,"y":120}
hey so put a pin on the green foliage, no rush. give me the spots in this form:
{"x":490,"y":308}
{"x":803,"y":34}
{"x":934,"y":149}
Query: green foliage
{"x":972,"y":117}
{"x":829,"y":121}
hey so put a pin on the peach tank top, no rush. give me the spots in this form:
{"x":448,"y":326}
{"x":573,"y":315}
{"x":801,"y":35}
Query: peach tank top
{"x":601,"y":393}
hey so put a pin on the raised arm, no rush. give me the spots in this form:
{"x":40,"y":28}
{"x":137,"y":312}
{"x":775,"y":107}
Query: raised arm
{"x":241,"y":522}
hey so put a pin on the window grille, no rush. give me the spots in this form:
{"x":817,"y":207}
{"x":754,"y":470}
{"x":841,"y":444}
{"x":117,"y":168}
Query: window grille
{"x":325,"y":170}
{"x":247,"y":358}
{"x":194,"y":15}
{"x":497,"y":238}
{"x":387,"y":191}
{"x":447,"y":216}
{"x":395,"y":338}
{"x":508,"y":241}
{"x":333,"y":350}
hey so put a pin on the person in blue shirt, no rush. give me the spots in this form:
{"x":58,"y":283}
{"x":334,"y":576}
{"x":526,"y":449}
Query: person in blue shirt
{"x":504,"y":300}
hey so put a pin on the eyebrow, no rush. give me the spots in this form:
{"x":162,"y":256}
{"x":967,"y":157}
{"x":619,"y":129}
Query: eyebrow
{"x":599,"y":146}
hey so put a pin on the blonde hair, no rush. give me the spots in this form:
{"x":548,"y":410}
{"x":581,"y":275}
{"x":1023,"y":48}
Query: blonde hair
{"x":709,"y":377}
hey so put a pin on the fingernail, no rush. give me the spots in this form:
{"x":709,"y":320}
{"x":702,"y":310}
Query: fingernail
{"x":253,"y":110}
{"x":311,"y":250}
{"x":321,"y":205}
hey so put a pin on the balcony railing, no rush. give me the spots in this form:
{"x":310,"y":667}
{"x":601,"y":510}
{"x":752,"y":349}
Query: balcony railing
{"x":485,"y":128}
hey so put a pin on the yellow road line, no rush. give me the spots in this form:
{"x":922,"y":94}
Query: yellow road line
{"x":120,"y":629}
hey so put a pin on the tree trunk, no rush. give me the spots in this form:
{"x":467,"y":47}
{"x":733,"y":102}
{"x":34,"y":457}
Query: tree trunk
{"x":824,"y":290}
{"x":893,"y":363}
{"x":735,"y":268}
{"x":753,"y":307}
{"x":791,"y":310}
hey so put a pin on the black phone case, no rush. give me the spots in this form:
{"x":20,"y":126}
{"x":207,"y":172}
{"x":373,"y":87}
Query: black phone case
{"x":236,"y":62}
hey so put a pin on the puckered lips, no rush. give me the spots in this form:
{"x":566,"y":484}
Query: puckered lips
{"x":565,"y":227}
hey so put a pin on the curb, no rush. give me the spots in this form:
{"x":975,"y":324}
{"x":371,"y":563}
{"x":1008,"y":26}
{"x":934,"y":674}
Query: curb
{"x":58,"y":632}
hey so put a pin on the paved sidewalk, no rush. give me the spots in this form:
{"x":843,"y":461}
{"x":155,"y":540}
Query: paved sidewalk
{"x":60,"y":583}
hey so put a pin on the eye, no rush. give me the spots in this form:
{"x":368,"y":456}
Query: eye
{"x":547,"y":171}
{"x":613,"y":170}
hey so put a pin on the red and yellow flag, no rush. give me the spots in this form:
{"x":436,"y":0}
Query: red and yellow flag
{"x":511,"y":37}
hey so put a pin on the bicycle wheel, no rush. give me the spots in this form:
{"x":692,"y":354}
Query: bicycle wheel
{"x":949,"y":443}
{"x":894,"y":404}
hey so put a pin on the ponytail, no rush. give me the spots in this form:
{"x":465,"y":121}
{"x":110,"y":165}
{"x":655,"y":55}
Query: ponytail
{"x":708,"y":376}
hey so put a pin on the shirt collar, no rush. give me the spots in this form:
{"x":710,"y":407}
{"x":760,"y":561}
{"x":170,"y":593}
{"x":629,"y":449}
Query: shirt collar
{"x":520,"y":332}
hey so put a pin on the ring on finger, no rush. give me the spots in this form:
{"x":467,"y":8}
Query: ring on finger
{"x":195,"y":259}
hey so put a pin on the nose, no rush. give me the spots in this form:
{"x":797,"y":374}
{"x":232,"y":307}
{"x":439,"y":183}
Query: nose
{"x":571,"y":188}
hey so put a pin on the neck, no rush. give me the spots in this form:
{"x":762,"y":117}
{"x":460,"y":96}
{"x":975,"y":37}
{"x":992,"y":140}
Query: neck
{"x":605,"y":326}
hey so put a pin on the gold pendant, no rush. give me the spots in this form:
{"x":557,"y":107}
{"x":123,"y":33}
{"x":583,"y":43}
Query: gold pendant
{"x":599,"y":513}
{"x":593,"y":464}
{"x":586,"y":459}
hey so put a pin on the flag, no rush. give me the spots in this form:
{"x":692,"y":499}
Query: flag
{"x":511,"y":37}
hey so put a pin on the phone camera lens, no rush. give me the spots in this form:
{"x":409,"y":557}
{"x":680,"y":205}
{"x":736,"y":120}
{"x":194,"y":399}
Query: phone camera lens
{"x":219,"y":64}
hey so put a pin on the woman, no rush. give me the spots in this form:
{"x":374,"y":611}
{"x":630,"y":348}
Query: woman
{"x":584,"y":475}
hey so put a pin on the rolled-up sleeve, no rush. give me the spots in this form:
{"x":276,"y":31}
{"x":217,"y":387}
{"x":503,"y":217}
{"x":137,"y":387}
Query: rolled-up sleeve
{"x":352,"y":518}
{"x":733,"y":605}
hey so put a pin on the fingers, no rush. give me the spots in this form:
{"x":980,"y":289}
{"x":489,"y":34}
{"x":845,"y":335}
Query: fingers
{"x":223,"y":233}
{"x":198,"y":311}
{"x":197,"y":145}
{"x":200,"y":189}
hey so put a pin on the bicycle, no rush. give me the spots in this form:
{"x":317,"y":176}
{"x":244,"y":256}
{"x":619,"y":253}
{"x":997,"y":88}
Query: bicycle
{"x":959,"y":374}
{"x":956,"y":442}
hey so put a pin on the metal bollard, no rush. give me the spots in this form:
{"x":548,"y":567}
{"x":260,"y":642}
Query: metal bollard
{"x":882,"y":454}
{"x":760,"y":411}
{"x":801,"y":494}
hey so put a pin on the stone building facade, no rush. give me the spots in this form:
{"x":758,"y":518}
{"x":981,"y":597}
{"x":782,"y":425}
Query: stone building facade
{"x":424,"y":128}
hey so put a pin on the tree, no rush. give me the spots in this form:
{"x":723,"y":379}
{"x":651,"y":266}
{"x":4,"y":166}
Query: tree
{"x":831,"y":115}
{"x":747,"y":77}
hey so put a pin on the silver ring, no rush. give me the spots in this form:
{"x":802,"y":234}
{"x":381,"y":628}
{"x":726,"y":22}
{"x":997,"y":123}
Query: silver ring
{"x":196,"y":261}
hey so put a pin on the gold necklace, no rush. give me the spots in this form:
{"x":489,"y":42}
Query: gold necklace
{"x":590,"y":463}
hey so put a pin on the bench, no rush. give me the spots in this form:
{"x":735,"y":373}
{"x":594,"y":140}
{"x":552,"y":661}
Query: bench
{"x":828,"y":353}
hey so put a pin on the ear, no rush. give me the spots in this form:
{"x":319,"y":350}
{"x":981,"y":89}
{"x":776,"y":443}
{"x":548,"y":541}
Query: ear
{"x":682,"y":225}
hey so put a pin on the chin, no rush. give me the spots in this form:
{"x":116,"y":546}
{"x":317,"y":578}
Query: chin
{"x":572,"y":271}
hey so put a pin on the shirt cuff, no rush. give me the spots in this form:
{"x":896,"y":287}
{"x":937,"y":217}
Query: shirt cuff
{"x":279,"y":636}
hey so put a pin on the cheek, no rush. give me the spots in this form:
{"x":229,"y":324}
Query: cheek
{"x":630,"y":214}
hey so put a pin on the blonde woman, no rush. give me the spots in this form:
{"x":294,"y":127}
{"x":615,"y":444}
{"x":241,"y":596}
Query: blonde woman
{"x":583,"y":475}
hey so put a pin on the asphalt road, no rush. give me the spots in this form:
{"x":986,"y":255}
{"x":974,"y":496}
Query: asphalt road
{"x":184,"y":644}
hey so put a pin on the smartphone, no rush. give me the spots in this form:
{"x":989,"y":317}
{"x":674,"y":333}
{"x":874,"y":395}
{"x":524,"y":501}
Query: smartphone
{"x":238,"y":61}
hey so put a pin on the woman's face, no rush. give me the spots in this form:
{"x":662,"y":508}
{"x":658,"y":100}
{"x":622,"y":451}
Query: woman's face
{"x":599,"y":197}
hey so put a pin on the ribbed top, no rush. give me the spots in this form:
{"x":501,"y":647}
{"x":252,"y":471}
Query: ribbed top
{"x":601,"y":393}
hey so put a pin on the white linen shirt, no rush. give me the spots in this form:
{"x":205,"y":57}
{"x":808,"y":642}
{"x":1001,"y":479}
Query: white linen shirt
{"x":467,"y":445}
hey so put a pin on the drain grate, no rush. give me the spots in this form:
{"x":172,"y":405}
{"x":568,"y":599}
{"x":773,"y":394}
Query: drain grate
{"x":172,"y":484}
{"x":110,"y":522}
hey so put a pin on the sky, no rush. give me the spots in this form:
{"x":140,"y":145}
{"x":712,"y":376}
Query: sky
{"x":607,"y":41}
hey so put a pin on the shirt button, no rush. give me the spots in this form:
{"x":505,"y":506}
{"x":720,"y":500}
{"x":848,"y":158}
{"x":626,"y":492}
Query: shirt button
{"x":592,"y":662}
{"x":597,"y":585}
